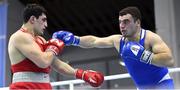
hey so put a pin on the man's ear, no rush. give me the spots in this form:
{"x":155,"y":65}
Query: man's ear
{"x":32,"y":19}
{"x":138,"y":22}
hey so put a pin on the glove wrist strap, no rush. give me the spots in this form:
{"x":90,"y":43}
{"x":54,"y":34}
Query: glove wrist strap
{"x":147,"y":57}
{"x":79,"y":73}
{"x":76,"y":41}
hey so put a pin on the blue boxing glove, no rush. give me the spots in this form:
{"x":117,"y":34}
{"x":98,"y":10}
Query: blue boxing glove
{"x":67,"y":37}
{"x":136,"y":51}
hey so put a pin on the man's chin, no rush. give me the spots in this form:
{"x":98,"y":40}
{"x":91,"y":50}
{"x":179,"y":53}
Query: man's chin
{"x":124,"y":35}
{"x":40,"y":33}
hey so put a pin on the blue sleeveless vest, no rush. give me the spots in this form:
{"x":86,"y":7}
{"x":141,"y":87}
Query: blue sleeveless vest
{"x":142,"y":74}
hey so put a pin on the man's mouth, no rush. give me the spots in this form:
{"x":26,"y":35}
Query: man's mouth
{"x":123,"y":31}
{"x":43,"y":29}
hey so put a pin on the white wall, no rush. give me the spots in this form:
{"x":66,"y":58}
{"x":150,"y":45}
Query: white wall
{"x":167,"y":19}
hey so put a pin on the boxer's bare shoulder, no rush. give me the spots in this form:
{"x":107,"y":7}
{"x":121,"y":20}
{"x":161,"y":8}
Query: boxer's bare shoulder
{"x":14,"y":44}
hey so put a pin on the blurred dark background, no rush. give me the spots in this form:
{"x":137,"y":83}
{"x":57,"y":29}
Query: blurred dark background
{"x":95,"y":17}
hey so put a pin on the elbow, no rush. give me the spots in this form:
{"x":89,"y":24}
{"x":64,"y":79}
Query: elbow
{"x":43,"y":65}
{"x":170,"y":62}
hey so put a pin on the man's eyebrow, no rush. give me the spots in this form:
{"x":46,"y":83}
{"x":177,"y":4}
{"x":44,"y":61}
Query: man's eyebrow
{"x":124,"y":20}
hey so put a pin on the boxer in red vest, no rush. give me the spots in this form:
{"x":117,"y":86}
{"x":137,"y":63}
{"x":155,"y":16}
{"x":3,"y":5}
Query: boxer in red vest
{"x":32,"y":56}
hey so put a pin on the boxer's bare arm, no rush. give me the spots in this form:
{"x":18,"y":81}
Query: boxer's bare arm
{"x":162,"y":53}
{"x":62,"y":67}
{"x":90,"y":41}
{"x":26,"y":44}
{"x":86,"y":75}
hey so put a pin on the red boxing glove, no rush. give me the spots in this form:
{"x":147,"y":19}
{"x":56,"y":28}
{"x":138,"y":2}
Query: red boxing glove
{"x":94,"y":78}
{"x":55,"y":45}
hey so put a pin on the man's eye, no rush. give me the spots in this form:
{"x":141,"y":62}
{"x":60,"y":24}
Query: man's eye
{"x":44,"y":19}
{"x":126,"y":21}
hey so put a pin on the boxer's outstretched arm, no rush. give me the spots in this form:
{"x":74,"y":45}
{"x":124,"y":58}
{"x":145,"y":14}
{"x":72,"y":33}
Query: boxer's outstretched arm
{"x":90,"y":41}
{"x":26,"y":44}
{"x":162,"y":53}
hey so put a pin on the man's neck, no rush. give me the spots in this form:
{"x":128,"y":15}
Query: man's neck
{"x":28,"y":28}
{"x":136,"y":36}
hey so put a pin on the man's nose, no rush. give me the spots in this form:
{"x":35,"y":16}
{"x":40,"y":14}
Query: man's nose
{"x":45,"y":24}
{"x":122,"y":25}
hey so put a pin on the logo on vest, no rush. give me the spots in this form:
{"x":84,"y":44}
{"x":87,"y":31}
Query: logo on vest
{"x":135,"y":49}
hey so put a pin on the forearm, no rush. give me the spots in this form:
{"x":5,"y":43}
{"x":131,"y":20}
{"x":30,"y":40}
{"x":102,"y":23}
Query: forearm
{"x":163,"y":59}
{"x":87,"y":41}
{"x":63,"y":67}
{"x":67,"y":69}
{"x":90,"y":41}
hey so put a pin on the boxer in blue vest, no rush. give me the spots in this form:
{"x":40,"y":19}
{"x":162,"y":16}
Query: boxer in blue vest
{"x":144,"y":53}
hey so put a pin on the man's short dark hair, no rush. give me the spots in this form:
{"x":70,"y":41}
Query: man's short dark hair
{"x":32,"y":10}
{"x":134,"y":11}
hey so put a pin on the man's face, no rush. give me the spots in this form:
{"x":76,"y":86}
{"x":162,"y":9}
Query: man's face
{"x":127,"y":25}
{"x":40,"y":24}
